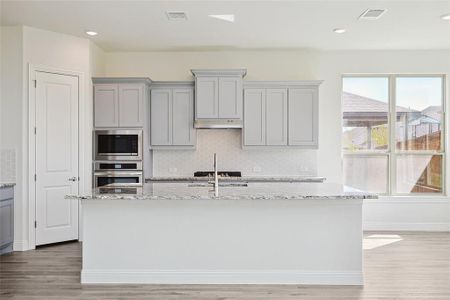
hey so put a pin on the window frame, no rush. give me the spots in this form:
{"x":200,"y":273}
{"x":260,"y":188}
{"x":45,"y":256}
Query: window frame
{"x":391,"y":152}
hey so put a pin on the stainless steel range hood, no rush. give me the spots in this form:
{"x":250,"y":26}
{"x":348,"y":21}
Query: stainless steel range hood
{"x":217,"y":123}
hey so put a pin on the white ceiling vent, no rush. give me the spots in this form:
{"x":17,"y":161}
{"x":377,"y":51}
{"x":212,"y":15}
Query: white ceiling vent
{"x":372,"y":14}
{"x":176,"y":15}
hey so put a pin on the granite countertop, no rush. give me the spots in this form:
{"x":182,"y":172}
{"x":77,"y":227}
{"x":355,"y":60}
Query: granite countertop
{"x":6,"y":184}
{"x":238,"y":179}
{"x":253,"y":191}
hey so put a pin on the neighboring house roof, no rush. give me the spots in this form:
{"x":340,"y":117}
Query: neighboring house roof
{"x":353,"y":103}
{"x":423,"y":120}
{"x":434,"y":112}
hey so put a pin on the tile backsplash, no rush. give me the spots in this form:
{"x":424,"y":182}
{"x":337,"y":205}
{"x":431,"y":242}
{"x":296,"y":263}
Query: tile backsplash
{"x":227,"y":144}
{"x":7,"y":165}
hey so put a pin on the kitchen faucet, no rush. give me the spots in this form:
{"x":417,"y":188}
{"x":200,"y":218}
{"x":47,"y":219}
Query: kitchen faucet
{"x":216,"y":178}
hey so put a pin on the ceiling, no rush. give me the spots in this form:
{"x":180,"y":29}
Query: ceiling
{"x":143,"y":25}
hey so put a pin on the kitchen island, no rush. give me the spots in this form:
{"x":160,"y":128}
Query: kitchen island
{"x":263,"y":233}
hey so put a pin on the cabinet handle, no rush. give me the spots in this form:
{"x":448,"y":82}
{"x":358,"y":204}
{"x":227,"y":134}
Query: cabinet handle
{"x":72,"y":179}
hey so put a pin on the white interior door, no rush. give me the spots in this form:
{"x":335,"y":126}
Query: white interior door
{"x":56,"y":157}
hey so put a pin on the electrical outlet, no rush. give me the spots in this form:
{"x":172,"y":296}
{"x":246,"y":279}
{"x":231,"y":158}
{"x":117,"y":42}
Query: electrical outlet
{"x":256,"y":169}
{"x":304,"y":168}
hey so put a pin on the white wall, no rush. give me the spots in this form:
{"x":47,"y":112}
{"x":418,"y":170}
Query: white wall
{"x":11,"y":107}
{"x":414,"y":213}
{"x":57,"y":51}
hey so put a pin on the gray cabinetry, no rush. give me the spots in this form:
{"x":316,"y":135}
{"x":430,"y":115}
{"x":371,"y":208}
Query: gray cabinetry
{"x":131,"y":105}
{"x":218,"y":94}
{"x":119,"y":102}
{"x":303,"y":117}
{"x":106,"y":106}
{"x":265,"y":119}
{"x":276,"y":117}
{"x":172,"y":116}
{"x":281,"y":114}
{"x":6,"y":219}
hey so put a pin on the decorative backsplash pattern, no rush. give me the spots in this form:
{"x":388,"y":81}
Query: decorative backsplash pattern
{"x":7,"y":165}
{"x":227,"y":144}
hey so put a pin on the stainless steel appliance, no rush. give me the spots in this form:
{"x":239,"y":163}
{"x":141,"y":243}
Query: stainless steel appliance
{"x":118,"y":144}
{"x":113,"y":174}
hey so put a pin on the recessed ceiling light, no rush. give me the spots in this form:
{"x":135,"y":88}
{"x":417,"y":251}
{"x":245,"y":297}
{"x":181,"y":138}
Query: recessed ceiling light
{"x":91,"y":33}
{"x":445,"y":17}
{"x":339,"y":30}
{"x":228,"y":18}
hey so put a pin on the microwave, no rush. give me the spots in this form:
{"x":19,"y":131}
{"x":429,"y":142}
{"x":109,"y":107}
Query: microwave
{"x":118,"y":144}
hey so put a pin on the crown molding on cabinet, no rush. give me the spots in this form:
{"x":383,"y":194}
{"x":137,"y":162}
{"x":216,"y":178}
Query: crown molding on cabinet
{"x":113,"y":80}
{"x":169,"y":84}
{"x":282,"y":84}
{"x":219,"y":72}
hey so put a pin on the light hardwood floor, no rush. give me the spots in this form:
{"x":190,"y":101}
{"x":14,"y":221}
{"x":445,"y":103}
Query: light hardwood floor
{"x":415,"y":267}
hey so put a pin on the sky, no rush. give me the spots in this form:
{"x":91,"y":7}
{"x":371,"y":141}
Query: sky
{"x":413,"y":92}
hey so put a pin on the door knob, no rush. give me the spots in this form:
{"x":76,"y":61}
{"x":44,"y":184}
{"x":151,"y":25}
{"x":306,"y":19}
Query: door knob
{"x":72,"y":179}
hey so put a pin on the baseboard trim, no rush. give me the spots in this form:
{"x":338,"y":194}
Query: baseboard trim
{"x":382,"y":226}
{"x":21,"y":245}
{"x":222,"y":277}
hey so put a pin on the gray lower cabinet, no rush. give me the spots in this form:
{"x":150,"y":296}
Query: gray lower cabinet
{"x":281,"y":114}
{"x":172,"y":118}
{"x":119,"y":102}
{"x":6,"y":219}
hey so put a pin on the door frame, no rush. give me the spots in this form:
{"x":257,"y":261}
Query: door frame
{"x":82,"y":128}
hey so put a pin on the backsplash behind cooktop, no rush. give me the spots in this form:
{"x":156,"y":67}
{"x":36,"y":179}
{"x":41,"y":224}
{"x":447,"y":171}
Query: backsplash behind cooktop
{"x":227,"y":144}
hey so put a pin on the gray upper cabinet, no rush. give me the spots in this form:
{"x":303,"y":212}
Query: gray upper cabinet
{"x":218,"y":94}
{"x":120,"y":102}
{"x":303,"y":117}
{"x":172,"y":116}
{"x":265,"y":117}
{"x":160,"y":117}
{"x":276,"y":117}
{"x":183,"y":133}
{"x":207,"y":99}
{"x":230,"y":97}
{"x":281,"y":114}
{"x":106,"y":105}
{"x":254,"y":117}
{"x":131,"y":105}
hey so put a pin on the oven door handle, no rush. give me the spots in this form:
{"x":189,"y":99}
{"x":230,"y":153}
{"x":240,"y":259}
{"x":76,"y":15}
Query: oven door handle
{"x":118,"y":174}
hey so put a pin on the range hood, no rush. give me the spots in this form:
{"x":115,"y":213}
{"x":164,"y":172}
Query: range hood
{"x":217,"y":123}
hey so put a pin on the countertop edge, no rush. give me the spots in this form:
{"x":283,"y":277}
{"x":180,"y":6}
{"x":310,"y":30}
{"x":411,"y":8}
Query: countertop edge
{"x":7,"y":184}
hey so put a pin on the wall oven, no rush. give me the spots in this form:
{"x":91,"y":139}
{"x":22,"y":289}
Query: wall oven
{"x":118,"y":144}
{"x":118,"y":174}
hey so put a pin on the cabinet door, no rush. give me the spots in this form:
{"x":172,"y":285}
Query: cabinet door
{"x":303,"y":117}
{"x":207,"y":97}
{"x":6,"y":217}
{"x":276,"y":117}
{"x":254,"y":111}
{"x":161,"y":127}
{"x":230,"y":97}
{"x":106,"y":105}
{"x":182,"y":117}
{"x":131,"y":105}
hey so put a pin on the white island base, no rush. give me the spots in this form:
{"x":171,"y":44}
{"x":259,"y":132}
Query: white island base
{"x":305,"y":241}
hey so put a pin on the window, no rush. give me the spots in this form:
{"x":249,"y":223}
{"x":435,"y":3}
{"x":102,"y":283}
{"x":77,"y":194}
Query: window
{"x":392,"y":134}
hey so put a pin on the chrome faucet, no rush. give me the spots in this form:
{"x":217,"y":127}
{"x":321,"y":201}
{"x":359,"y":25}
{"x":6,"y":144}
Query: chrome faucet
{"x":216,"y":178}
